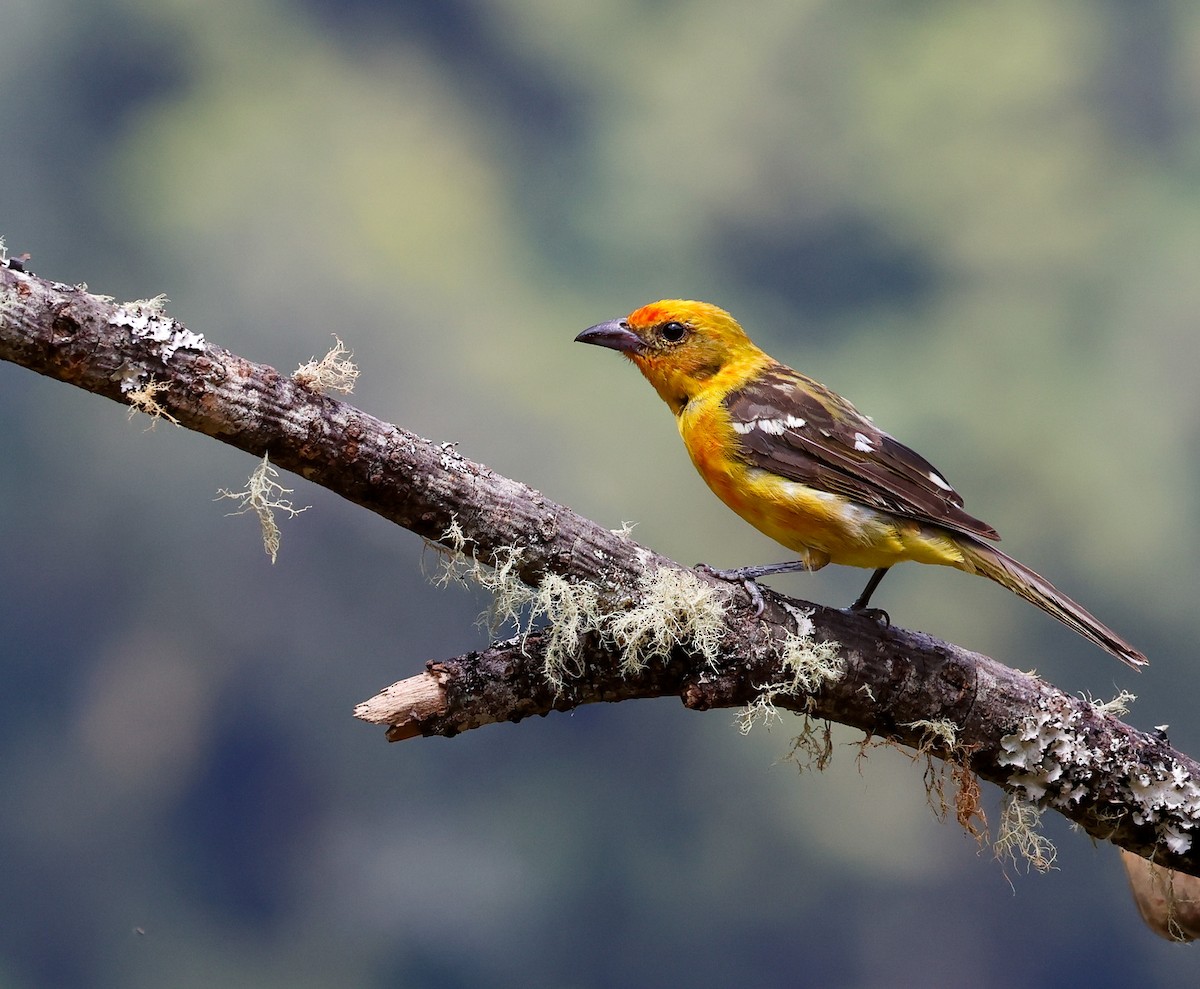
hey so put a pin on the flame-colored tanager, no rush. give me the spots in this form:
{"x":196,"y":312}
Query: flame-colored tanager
{"x":800,"y":463}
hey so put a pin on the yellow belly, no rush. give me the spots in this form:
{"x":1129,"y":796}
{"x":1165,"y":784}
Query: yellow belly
{"x":826,"y":528}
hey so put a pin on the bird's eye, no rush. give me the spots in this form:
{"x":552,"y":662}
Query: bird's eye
{"x":673,"y":331}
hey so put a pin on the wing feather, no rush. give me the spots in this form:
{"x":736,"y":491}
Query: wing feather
{"x":793,"y":426}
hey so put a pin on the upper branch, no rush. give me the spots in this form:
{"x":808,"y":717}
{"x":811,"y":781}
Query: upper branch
{"x":1118,"y":783}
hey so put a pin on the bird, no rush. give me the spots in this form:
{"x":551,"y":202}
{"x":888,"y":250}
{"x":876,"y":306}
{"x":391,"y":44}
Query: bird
{"x":804,"y":466}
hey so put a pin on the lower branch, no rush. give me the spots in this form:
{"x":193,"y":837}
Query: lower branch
{"x":1011,"y":728}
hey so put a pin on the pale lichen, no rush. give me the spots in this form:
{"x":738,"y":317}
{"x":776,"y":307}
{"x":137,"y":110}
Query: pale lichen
{"x":498,"y":576}
{"x":936,"y":734}
{"x":262,"y":497}
{"x":674,"y":608}
{"x":569,"y":609}
{"x":147,"y":320}
{"x":1118,"y":707}
{"x":1056,"y":755}
{"x":1019,"y":838}
{"x":142,"y":399}
{"x":807,"y":664}
{"x":334,"y":372}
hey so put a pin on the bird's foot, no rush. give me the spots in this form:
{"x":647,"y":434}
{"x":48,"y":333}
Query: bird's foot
{"x":875,"y":614}
{"x":739,"y":575}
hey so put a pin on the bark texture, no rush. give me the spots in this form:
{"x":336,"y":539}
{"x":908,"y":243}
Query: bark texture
{"x":1119,"y":784}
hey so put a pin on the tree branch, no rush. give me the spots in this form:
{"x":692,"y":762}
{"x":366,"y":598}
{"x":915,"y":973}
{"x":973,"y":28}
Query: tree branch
{"x":615,"y":633}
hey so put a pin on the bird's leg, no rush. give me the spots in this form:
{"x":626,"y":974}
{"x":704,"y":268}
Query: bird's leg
{"x":865,"y":597}
{"x":860,"y":603}
{"x":748,"y":577}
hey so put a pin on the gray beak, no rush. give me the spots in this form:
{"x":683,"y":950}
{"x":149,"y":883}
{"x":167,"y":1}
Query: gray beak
{"x":615,"y":335}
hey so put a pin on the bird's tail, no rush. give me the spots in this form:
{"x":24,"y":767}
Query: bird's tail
{"x":989,"y":562}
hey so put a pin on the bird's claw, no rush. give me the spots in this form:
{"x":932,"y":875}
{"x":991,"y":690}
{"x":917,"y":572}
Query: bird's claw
{"x":738,"y":576}
{"x":756,"y":598}
{"x":875,"y":614}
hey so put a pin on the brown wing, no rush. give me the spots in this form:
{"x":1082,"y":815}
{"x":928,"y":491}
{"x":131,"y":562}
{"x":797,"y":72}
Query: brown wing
{"x":797,"y":428}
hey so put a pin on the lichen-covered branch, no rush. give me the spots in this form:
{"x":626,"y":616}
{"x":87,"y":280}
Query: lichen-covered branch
{"x":621,"y":621}
{"x":1027,"y":736}
{"x":90,"y":341}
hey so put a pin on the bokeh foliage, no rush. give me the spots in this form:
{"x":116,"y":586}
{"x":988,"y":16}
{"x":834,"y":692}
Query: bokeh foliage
{"x":978,"y":221}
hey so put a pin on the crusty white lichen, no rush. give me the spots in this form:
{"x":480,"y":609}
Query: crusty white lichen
{"x":1166,"y":786}
{"x":1041,"y":750}
{"x":147,"y":319}
{"x":8,"y":302}
{"x":1056,"y":756}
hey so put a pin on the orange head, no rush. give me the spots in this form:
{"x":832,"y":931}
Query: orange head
{"x":677,"y":344}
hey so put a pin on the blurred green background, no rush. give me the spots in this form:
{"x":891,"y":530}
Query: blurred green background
{"x":980,"y":222}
